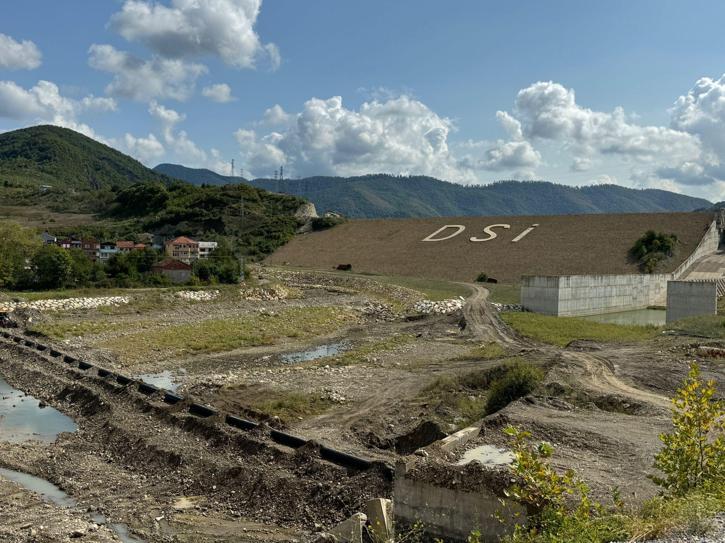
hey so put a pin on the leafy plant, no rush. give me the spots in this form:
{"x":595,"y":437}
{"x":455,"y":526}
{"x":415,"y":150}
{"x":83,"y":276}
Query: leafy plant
{"x":518,"y":380}
{"x":693,"y":456}
{"x":652,"y":248}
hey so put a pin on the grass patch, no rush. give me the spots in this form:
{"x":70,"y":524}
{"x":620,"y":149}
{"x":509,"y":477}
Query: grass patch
{"x":219,"y":335}
{"x":365,"y":351}
{"x":289,"y":406}
{"x":503,"y":294}
{"x":433,"y":289}
{"x":64,"y":329}
{"x":563,"y":330}
{"x":466,"y":398}
{"x":712,"y":326}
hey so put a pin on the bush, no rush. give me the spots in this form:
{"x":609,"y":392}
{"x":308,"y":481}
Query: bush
{"x":518,"y":381}
{"x":52,"y":267}
{"x":482,"y":278}
{"x":652,"y":248}
{"x":693,"y":456}
{"x":323,"y":223}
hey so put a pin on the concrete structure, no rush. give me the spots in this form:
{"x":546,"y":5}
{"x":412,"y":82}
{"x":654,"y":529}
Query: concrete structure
{"x":48,"y":239}
{"x":691,"y":299}
{"x":91,"y":247}
{"x":206,"y":247}
{"x":107,"y":250}
{"x":581,"y":295}
{"x":127,"y":246}
{"x":454,"y":509}
{"x":175,"y":270}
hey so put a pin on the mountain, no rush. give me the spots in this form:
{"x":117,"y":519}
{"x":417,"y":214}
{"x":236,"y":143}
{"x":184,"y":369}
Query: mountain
{"x":56,"y":156}
{"x":377,"y":196}
{"x":118,"y":197}
{"x":197,"y":176}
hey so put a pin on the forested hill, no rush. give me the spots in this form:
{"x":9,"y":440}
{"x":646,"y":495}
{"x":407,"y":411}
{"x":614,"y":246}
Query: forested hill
{"x":60,"y":157}
{"x":197,"y":176}
{"x":375,"y":196}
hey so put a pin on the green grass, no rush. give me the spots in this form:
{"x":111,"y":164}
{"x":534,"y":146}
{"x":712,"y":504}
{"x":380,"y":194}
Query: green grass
{"x":712,"y":326}
{"x":562,"y":330}
{"x":289,"y":406}
{"x":366,"y":350}
{"x":64,"y":329}
{"x":503,"y":294}
{"x":219,"y":335}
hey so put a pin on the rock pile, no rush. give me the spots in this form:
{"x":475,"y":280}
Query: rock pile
{"x":507,"y":307}
{"x":271,"y":293}
{"x":198,"y":295}
{"x":379,"y":312}
{"x":443,"y":307}
{"x":66,"y":304}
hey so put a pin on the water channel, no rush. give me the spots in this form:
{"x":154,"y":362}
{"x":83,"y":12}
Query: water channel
{"x":321,"y":351}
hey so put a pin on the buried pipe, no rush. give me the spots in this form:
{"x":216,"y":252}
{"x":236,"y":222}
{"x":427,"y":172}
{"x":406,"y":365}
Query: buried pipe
{"x":200,"y":410}
{"x":283,"y":438}
{"x":122,"y":379}
{"x":241,"y":423}
{"x":344,"y":459}
{"x":104,"y":373}
{"x":85,"y":365}
{"x":171,"y":398}
{"x":146,"y":388}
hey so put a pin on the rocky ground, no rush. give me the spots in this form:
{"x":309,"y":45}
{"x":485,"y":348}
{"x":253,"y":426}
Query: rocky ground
{"x":379,"y":396}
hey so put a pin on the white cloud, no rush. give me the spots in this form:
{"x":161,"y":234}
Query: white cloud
{"x":276,"y":115}
{"x":43,"y":103}
{"x":143,"y":80}
{"x":148,"y":150}
{"x":16,"y":55}
{"x":221,"y":93}
{"x":196,"y":28}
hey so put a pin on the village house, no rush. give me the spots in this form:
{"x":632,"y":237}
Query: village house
{"x":175,"y":270}
{"x":128,"y":246}
{"x":91,"y":247}
{"x":183,"y":248}
{"x":48,"y":239}
{"x":107,"y":250}
{"x":206,"y":248}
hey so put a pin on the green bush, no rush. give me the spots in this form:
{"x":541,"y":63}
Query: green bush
{"x":323,"y":223}
{"x":482,"y":278}
{"x":518,"y":380}
{"x":652,"y":248}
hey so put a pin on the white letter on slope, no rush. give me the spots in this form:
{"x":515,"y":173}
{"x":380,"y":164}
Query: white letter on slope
{"x":459,"y":228}
{"x":523,"y":234}
{"x":491,"y":234}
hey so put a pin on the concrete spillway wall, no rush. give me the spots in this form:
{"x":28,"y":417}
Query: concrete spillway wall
{"x":581,"y":295}
{"x":691,"y":299}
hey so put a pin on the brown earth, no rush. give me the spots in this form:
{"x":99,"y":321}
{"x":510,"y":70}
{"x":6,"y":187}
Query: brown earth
{"x":560,"y":245}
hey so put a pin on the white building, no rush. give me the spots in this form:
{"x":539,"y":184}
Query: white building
{"x":206,"y":247}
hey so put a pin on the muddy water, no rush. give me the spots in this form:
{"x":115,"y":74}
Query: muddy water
{"x":22,"y":418}
{"x":321,"y":351}
{"x":165,"y":380}
{"x":640,"y":317}
{"x":488,"y":455}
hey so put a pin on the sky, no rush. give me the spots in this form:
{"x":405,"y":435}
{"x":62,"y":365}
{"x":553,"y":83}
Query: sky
{"x":469,"y":91}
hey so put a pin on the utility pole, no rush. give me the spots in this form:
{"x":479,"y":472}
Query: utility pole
{"x":281,"y":173}
{"x":242,"y":277}
{"x":232,"y":167}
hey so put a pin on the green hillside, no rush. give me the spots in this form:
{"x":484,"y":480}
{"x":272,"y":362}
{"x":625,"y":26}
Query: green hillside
{"x":380,"y":196}
{"x":57,"y":156}
{"x":121,"y":198}
{"x":197,"y":176}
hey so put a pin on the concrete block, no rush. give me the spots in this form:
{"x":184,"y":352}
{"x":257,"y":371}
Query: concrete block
{"x":351,"y":530}
{"x":380,"y":519}
{"x":460,"y":438}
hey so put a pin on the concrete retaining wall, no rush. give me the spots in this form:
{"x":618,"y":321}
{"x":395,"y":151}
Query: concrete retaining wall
{"x":691,"y":299}
{"x":579,"y":295}
{"x":452,"y":513}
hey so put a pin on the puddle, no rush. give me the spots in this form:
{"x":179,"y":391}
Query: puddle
{"x":488,"y":455}
{"x":22,"y":418}
{"x":51,"y":493}
{"x":165,"y":379}
{"x":640,"y":317}
{"x":330,"y":349}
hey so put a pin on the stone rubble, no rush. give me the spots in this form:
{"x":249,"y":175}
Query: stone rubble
{"x":198,"y":295}
{"x":507,"y":307}
{"x":270,"y":293}
{"x":65,"y":304}
{"x":380,"y":312}
{"x":443,"y":307}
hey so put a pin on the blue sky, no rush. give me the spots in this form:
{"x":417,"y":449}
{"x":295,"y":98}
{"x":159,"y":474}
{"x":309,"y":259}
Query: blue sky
{"x":468,"y":91}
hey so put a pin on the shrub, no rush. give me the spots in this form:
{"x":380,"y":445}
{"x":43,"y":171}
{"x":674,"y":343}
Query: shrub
{"x":323,"y":223}
{"x":482,"y":278}
{"x":652,"y":248}
{"x":518,"y":381}
{"x":693,"y":456}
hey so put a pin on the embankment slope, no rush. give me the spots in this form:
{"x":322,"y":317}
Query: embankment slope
{"x":559,"y":245}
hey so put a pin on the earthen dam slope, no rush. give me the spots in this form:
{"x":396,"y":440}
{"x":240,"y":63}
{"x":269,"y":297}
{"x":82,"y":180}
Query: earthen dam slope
{"x":544,"y":245}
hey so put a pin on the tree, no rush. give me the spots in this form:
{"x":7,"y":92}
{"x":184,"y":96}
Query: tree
{"x":17,"y":246}
{"x":693,"y":456}
{"x":52,"y":267}
{"x":652,"y":248}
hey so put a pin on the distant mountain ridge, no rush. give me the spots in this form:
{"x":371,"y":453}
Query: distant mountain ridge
{"x":380,"y":196}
